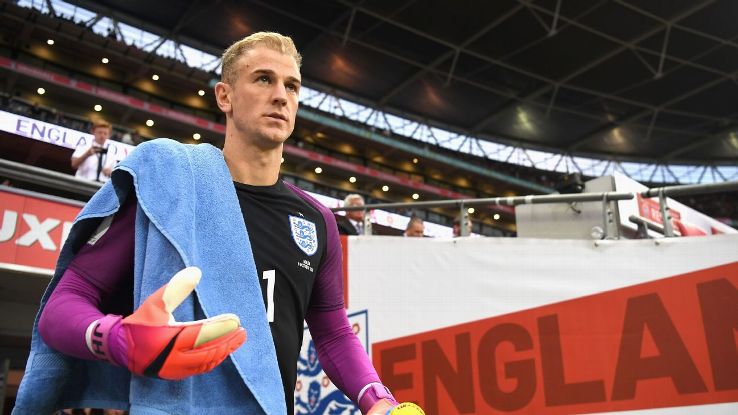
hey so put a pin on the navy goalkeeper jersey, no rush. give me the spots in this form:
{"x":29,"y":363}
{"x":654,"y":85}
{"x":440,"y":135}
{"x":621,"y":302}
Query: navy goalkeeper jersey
{"x":297,"y":262}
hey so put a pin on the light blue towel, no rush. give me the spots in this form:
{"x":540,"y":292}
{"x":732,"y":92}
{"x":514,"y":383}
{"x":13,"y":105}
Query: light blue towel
{"x":188,"y":215}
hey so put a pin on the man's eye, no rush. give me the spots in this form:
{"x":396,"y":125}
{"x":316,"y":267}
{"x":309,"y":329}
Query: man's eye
{"x":292,"y":88}
{"x":263,"y":78}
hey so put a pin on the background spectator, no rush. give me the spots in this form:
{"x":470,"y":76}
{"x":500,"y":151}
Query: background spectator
{"x":92,"y":161}
{"x":353,"y":222}
{"x":415,"y":227}
{"x":456,"y":229}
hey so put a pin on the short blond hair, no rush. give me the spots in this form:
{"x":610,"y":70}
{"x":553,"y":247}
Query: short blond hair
{"x":272,"y":40}
{"x":99,"y":122}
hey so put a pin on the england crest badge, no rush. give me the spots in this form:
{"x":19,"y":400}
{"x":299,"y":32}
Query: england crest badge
{"x":305,"y":234}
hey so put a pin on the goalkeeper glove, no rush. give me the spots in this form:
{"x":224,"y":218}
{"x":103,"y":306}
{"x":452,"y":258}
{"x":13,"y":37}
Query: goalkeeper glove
{"x":150,"y":342}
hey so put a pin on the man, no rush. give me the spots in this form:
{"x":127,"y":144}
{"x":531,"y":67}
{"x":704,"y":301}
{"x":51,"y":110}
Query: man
{"x":265,"y":250}
{"x":92,"y":161}
{"x":415,"y":227}
{"x":456,"y":228}
{"x":353,"y":222}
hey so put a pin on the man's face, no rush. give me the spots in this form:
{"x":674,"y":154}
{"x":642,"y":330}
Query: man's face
{"x":262,"y":102}
{"x":457,"y":229}
{"x":416,"y":229}
{"x":357,"y":215}
{"x":101,"y":134}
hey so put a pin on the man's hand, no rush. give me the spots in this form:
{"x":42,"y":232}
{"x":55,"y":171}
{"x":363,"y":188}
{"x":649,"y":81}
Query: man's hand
{"x":385,"y":407}
{"x":156,"y":345}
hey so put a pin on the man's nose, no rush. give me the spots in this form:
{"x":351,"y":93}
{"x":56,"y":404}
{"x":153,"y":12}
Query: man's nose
{"x":279,"y":94}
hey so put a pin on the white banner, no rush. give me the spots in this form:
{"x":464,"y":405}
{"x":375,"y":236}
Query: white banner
{"x":537,"y":326}
{"x":55,"y":134}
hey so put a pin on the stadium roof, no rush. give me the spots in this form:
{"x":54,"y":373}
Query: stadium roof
{"x":654,"y":81}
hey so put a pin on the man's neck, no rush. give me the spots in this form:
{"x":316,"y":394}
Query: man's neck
{"x":251,"y":165}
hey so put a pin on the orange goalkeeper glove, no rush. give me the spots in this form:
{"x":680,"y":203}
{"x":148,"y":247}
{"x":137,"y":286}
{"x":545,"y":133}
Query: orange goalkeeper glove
{"x":150,"y":342}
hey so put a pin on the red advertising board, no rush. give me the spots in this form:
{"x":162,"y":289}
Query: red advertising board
{"x":666,"y":343}
{"x":33,"y":229}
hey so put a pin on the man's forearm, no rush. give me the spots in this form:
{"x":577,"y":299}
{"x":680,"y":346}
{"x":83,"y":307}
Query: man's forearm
{"x":72,"y":307}
{"x":344,"y":359}
{"x":76,"y":161}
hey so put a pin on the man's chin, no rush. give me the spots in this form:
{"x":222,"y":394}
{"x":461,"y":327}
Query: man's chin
{"x":277,"y":135}
{"x":273,"y":139}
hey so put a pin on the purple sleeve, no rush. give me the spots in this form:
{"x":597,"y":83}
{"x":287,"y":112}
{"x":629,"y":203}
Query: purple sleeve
{"x":328,"y":288}
{"x":106,"y":260}
{"x":95,"y":280}
{"x":71,"y":308}
{"x":342,"y":356}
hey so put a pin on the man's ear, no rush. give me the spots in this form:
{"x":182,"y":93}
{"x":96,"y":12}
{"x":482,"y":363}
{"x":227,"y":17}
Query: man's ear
{"x":223,"y":96}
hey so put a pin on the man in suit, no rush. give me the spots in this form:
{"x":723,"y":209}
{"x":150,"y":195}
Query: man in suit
{"x":353,"y":222}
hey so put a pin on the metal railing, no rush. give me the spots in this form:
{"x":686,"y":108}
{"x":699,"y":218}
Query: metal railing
{"x":605,"y":197}
{"x":66,"y":182}
{"x":685,"y":190}
{"x":462,"y":204}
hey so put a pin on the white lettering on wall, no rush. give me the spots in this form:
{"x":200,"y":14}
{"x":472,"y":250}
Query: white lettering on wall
{"x":38,"y":231}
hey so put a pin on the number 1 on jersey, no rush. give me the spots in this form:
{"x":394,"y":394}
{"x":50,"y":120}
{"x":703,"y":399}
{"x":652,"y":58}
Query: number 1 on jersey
{"x":270,"y":276}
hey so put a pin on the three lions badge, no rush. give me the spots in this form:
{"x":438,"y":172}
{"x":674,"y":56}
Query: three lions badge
{"x":305,"y":234}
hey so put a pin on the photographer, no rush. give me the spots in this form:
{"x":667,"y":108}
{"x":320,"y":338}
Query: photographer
{"x":92,"y":161}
